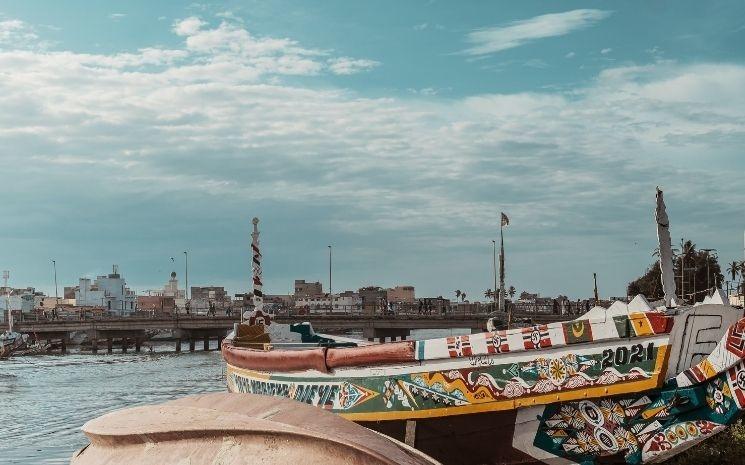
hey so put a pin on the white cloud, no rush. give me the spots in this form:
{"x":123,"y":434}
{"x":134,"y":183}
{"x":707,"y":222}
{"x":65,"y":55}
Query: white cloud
{"x":209,"y":126}
{"x":496,"y":39}
{"x":188,"y":26}
{"x":606,"y":51}
{"x":346,"y":65}
{"x":117,"y":16}
{"x":570,"y":55}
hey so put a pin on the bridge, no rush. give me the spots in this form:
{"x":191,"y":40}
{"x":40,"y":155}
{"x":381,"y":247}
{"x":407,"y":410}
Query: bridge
{"x":132,"y":331}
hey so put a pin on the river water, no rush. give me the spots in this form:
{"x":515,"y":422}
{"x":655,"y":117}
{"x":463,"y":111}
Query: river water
{"x":46,"y":399}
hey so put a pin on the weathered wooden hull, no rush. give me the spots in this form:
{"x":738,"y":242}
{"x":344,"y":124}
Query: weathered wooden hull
{"x":578,"y":391}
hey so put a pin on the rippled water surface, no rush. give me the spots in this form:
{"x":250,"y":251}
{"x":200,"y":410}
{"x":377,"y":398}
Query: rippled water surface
{"x":46,"y":399}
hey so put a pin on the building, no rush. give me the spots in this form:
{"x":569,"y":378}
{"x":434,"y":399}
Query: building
{"x":374,"y":299}
{"x":156,"y":303}
{"x":19,"y":300}
{"x":171,"y":288}
{"x":107,"y":291}
{"x":304,"y":289}
{"x":202,"y":296}
{"x":49,"y":303}
{"x":345,"y":302}
{"x":401,"y":294}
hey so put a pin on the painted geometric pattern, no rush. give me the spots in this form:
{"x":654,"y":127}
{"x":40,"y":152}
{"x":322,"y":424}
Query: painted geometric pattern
{"x":541,"y":337}
{"x":648,"y":426}
{"x":479,"y":381}
{"x":728,"y":352}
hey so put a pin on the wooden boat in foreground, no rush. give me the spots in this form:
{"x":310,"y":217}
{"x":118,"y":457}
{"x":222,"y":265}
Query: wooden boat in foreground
{"x":628,"y":384}
{"x":233,"y":429}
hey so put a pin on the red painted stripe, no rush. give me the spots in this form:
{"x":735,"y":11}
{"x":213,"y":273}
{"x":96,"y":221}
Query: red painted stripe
{"x":275,"y":360}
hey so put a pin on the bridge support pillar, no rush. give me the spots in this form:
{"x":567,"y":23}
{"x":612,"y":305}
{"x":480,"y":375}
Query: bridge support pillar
{"x":138,"y":344}
{"x":63,"y":345}
{"x":192,"y":344}
{"x":94,"y":346}
{"x":206,"y":343}
{"x":109,"y":345}
{"x":125,"y":342}
{"x":178,"y":345}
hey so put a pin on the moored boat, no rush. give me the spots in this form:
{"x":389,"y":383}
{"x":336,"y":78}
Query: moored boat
{"x":631,"y":383}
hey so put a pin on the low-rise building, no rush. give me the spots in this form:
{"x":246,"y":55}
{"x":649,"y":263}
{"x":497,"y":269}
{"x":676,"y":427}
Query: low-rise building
{"x":156,"y":303}
{"x":401,"y":294}
{"x":305,"y":289}
{"x":374,"y":299}
{"x":107,"y":291}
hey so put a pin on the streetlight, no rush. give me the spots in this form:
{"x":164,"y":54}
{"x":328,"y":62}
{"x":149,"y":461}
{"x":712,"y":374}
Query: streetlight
{"x":330,"y":271}
{"x":56,"y":291}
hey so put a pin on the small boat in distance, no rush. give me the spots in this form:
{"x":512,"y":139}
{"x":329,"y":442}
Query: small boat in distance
{"x":628,"y":384}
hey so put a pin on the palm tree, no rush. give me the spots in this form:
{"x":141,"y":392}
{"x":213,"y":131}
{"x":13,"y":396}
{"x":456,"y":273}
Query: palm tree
{"x":463,"y":296}
{"x":734,"y":269}
{"x":457,"y":294}
{"x":488,"y":294}
{"x":512,"y":291}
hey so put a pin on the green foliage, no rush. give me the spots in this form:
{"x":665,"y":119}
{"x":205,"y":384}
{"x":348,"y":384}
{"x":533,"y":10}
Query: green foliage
{"x":698,"y":277}
{"x":726,"y":448}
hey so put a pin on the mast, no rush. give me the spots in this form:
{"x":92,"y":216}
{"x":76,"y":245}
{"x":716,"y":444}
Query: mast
{"x":666,"y":251}
{"x":504,"y":221}
{"x":258,"y":299}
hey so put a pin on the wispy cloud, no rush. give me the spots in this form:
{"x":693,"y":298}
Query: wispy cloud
{"x":496,"y":39}
{"x":606,"y":51}
{"x":117,"y":16}
{"x":346,"y":65}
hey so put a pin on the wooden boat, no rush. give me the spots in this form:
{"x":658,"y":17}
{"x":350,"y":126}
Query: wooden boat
{"x":224,"y":428}
{"x":628,"y":384}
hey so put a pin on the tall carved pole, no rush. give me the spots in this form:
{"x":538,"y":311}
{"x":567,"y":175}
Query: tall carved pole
{"x":666,"y":251}
{"x":258,"y":294}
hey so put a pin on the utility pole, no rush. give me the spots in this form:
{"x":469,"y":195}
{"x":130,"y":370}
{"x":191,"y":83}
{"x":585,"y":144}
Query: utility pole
{"x":708,"y":268}
{"x":330,"y":291}
{"x":494,"y":265}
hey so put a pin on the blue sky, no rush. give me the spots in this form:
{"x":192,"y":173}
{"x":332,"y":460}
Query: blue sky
{"x":396,"y":131}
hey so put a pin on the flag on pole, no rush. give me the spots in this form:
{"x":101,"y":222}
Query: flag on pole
{"x":505,"y":220}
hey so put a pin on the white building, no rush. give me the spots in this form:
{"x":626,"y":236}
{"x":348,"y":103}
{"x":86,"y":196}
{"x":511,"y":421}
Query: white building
{"x":109,"y":291}
{"x":18,"y":299}
{"x":346,"y":302}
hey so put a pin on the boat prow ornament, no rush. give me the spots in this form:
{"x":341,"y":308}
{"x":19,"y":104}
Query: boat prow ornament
{"x":258,"y":317}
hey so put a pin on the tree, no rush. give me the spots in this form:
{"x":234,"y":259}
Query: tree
{"x":463,"y":296}
{"x":457,"y":294}
{"x":698,"y":276}
{"x":734,"y":269}
{"x":512,"y":291}
{"x":489,"y":294}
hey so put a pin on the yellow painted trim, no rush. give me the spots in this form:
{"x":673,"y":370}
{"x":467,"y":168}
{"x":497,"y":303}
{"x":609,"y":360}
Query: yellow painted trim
{"x":639,"y":386}
{"x":249,"y":373}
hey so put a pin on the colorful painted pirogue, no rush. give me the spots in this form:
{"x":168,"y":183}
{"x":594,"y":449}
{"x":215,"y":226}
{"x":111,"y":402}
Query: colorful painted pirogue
{"x":627,"y":384}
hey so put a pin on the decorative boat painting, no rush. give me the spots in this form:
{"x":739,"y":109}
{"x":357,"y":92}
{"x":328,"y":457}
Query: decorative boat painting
{"x":632,"y":383}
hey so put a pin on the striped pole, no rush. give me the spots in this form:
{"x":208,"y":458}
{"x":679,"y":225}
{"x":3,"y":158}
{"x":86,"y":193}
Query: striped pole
{"x":258,"y":295}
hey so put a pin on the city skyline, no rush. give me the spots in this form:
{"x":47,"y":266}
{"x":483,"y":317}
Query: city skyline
{"x":397,"y":134}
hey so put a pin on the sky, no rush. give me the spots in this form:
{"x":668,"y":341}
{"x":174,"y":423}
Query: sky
{"x":396,"y":132}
